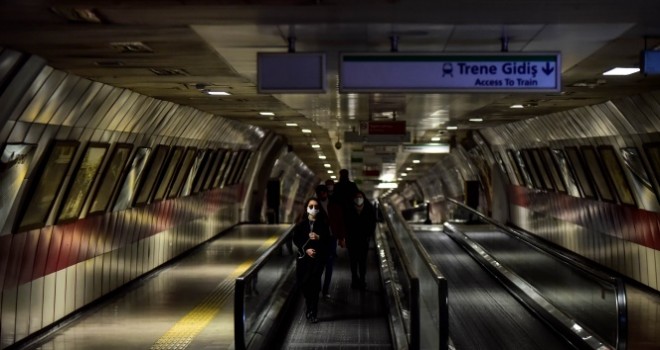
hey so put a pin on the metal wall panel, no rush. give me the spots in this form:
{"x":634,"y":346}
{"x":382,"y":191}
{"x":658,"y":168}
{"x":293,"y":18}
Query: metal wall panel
{"x":616,"y":235}
{"x":62,"y":268}
{"x":111,"y":122}
{"x":36,"y":305}
{"x":81,"y":275}
{"x":49,"y":300}
{"x":60,"y":293}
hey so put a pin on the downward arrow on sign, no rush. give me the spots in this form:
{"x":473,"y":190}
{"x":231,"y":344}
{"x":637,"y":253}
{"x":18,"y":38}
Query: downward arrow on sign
{"x":548,"y":69}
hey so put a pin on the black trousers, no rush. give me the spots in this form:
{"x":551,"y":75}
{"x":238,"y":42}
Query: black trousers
{"x":308,"y":274}
{"x":357,"y":253}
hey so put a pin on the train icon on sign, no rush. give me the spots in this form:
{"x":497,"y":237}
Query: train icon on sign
{"x":447,"y":69}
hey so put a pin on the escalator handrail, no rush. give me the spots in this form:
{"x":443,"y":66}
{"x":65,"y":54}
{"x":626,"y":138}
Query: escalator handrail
{"x":440,"y":280}
{"x":239,"y":292}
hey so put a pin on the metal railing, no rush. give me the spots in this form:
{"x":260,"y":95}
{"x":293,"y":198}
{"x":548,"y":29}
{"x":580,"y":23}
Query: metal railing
{"x":600,"y":320}
{"x":262,"y":291}
{"x":429,"y":314}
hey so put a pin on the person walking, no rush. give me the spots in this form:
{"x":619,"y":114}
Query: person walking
{"x":361,"y":226}
{"x":344,"y":189}
{"x":311,"y":235}
{"x":335,"y":215}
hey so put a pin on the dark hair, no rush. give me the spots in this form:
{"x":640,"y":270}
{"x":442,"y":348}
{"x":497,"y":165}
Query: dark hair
{"x":321,"y":188}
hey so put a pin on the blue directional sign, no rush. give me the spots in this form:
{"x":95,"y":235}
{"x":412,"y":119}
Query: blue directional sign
{"x":431,"y":72}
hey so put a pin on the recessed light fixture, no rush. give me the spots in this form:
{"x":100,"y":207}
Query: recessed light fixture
{"x":384,"y":185}
{"x":306,"y":131}
{"x":427,"y":148}
{"x":399,"y":179}
{"x":416,"y":161}
{"x":516,"y":106}
{"x":327,"y":165}
{"x":321,"y":156}
{"x":404,"y":174}
{"x":452,"y":127}
{"x":409,"y":168}
{"x":435,"y":138}
{"x":477,"y":120}
{"x":217,"y":93}
{"x":316,"y":146}
{"x":330,"y":171}
{"x":621,"y":71}
{"x":266,"y":113}
{"x":333,"y":177}
{"x":291,"y":124}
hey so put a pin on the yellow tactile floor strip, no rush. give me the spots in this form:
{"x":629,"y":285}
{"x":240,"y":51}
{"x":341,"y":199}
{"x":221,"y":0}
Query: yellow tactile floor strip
{"x":187,"y":328}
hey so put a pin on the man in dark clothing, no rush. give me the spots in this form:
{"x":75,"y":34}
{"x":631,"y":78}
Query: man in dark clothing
{"x":334,"y":212}
{"x":361,"y":219}
{"x":345,"y":189}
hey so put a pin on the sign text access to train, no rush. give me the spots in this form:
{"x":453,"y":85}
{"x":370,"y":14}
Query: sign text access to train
{"x":445,"y":72}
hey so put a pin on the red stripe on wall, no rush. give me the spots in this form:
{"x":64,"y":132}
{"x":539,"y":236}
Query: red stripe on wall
{"x":636,"y":225}
{"x":54,"y":250}
{"x":41,"y":255}
{"x":33,"y":254}
{"x":29,"y":256}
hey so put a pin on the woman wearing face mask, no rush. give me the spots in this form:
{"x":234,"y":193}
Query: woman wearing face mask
{"x":360,"y":228}
{"x":310,"y":236}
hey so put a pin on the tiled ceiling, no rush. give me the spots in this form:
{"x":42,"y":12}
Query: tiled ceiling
{"x":196,"y":44}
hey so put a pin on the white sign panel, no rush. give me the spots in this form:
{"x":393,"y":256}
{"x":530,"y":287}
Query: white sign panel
{"x":487,"y":72}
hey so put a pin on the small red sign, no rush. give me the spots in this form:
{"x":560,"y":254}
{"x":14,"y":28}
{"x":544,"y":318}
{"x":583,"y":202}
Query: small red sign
{"x":394,"y":127}
{"x":371,"y":172}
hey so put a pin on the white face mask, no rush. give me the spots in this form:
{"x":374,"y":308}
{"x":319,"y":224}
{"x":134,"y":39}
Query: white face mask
{"x":359,"y":200}
{"x":312,"y":211}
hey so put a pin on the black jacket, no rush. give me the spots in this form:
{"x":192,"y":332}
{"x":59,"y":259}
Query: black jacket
{"x":301,"y":236}
{"x":360,"y":226}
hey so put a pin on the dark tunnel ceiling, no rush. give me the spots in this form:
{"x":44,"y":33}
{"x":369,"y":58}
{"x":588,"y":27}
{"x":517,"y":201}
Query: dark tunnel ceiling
{"x":214,"y":43}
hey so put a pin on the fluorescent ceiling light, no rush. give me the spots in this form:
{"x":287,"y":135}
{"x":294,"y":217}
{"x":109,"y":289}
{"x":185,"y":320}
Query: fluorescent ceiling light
{"x":621,"y":71}
{"x":217,"y":93}
{"x":386,"y":177}
{"x":409,"y":169}
{"x":306,"y":131}
{"x":330,"y":172}
{"x":476,"y":120}
{"x":416,"y":161}
{"x":384,"y":185}
{"x":439,"y":112}
{"x":404,"y":174}
{"x":291,"y":124}
{"x":333,"y":177}
{"x":327,"y":165}
{"x":266,"y":113}
{"x":516,"y":106}
{"x":400,"y":179}
{"x":426,"y":148}
{"x":452,"y":127}
{"x":435,"y":139}
{"x":316,"y":146}
{"x":321,"y":156}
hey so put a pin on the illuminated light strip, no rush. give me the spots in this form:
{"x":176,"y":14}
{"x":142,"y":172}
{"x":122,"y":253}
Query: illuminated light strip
{"x":189,"y":326}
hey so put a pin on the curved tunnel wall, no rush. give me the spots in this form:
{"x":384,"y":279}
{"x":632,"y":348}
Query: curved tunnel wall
{"x":297,"y":184}
{"x":52,"y":266}
{"x":608,"y":211}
